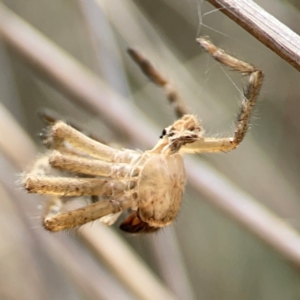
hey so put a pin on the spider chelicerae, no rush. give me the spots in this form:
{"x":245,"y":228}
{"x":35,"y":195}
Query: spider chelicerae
{"x":149,"y":183}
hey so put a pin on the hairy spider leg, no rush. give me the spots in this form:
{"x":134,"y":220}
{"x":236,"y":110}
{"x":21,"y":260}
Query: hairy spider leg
{"x":87,"y":214}
{"x":251,"y":92}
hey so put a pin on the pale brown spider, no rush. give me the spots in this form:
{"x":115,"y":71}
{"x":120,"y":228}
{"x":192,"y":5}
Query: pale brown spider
{"x":151,"y":183}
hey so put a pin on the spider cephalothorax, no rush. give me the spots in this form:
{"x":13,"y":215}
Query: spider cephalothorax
{"x":184,"y":131}
{"x":151,"y":183}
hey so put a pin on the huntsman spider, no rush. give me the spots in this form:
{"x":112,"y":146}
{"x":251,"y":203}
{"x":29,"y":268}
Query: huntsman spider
{"x":149,"y":183}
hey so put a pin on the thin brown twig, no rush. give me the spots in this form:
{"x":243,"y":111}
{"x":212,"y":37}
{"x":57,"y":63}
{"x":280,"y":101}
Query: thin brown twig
{"x":263,"y":26}
{"x":160,"y":80}
{"x":233,"y":202}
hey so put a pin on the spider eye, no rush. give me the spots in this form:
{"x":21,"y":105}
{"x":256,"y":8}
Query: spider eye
{"x":164,"y":132}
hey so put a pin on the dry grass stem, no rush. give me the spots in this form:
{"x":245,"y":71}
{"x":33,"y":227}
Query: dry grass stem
{"x":263,"y":26}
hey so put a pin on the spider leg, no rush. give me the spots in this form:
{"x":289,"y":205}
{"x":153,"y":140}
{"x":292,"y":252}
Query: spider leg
{"x":160,"y":80}
{"x":88,"y":166}
{"x":38,"y":181}
{"x":50,"y":117}
{"x":76,"y":187}
{"x":56,"y":206}
{"x":78,"y":217}
{"x":208,"y":144}
{"x":60,"y":133}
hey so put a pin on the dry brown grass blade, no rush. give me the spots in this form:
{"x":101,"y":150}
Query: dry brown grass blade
{"x":263,"y":26}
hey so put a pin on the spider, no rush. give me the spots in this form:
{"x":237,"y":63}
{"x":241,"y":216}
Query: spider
{"x":149,"y":183}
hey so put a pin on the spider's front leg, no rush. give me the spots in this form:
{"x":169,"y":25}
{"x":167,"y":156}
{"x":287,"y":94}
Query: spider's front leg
{"x":88,"y":166}
{"x":61,"y":134}
{"x":250,"y":95}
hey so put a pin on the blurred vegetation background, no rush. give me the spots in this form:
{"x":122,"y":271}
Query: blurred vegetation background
{"x":204,"y":254}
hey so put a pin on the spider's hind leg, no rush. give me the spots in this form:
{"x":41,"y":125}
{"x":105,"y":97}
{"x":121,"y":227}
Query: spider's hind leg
{"x":92,"y":212}
{"x":56,"y":210}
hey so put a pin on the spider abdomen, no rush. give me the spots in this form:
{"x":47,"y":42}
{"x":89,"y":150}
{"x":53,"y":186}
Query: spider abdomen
{"x":160,"y":188}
